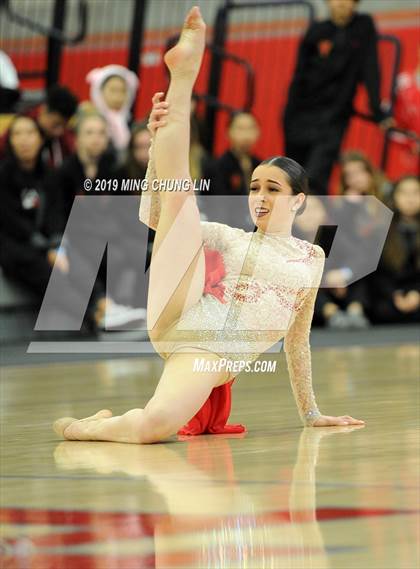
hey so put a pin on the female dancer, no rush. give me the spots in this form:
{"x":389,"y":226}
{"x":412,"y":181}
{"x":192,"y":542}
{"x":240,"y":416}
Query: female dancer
{"x":237,"y":317}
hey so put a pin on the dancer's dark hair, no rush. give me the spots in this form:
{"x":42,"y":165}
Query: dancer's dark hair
{"x":296,"y":175}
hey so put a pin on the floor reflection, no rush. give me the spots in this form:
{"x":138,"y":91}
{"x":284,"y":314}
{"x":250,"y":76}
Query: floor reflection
{"x":210,"y":518}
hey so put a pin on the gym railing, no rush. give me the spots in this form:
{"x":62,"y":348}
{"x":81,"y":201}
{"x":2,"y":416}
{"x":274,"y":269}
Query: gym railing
{"x":220,"y":34}
{"x":389,"y":97}
{"x":55,"y":35}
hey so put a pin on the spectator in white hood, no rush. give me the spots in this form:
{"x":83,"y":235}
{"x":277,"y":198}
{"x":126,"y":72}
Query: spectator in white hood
{"x":113,"y":90}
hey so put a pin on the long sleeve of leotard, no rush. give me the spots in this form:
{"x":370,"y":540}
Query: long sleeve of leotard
{"x":297,"y":348}
{"x":149,"y":210}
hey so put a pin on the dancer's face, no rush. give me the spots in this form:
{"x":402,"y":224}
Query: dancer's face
{"x":271,"y":199}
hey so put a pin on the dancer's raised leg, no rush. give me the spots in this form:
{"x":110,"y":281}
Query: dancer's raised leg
{"x":177,"y":269}
{"x":176,"y":273}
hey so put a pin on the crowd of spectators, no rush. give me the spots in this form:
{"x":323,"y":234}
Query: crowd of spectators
{"x":48,"y":152}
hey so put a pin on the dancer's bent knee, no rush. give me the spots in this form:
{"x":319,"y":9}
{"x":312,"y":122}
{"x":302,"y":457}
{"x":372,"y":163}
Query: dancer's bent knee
{"x":157,"y":424}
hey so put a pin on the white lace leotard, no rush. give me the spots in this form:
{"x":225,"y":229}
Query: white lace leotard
{"x":270,"y":287}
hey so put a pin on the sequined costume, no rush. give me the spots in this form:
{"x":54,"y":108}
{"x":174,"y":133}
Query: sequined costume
{"x":260,"y":288}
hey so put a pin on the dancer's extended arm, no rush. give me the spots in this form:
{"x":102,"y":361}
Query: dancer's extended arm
{"x":298,"y":352}
{"x":298,"y":355}
{"x":149,"y":211}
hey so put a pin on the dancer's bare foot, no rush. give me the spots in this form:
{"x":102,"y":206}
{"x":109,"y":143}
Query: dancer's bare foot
{"x":184,"y":59}
{"x":61,"y":424}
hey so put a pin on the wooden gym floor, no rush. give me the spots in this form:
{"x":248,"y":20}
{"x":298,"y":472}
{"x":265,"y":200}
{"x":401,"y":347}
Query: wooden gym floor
{"x":281,"y":496}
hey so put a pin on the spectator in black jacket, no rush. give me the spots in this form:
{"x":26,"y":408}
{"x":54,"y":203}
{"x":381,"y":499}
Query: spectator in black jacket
{"x":395,"y":285}
{"x":134,"y":168}
{"x":233,"y":170}
{"x":235,"y":166}
{"x":29,"y":224}
{"x":361,"y":222}
{"x":312,"y":225}
{"x":99,"y":219}
{"x":338,"y":304}
{"x":334,"y":56}
{"x":202,"y":164}
{"x":89,"y":161}
{"x":135,"y":164}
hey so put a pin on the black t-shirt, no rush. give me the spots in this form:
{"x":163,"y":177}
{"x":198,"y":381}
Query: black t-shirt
{"x":69,"y":180}
{"x":23,"y":201}
{"x":331,"y":61}
{"x":229,"y":179}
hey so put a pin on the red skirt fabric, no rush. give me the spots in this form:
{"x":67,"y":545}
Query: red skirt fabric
{"x":215,"y":272}
{"x":213,"y":416}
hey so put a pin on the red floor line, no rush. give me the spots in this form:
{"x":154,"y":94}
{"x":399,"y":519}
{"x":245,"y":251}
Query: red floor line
{"x":148,"y":520}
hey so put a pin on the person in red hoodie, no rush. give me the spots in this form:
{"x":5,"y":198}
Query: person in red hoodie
{"x":407,"y":118}
{"x":52,"y":117}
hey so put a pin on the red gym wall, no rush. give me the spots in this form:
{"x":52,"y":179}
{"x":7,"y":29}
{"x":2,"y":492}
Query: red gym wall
{"x":272,"y":58}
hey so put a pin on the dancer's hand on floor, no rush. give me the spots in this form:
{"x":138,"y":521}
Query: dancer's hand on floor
{"x":158,"y":114}
{"x":329,"y":421}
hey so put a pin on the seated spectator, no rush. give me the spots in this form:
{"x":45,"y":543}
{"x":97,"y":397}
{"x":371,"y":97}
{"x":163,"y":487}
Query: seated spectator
{"x":134,"y":167}
{"x":88,"y":161}
{"x":201,"y":163}
{"x":395,"y":285}
{"x":337,"y":305}
{"x":235,"y":166}
{"x":52,"y":117}
{"x":95,"y":225}
{"x":113,"y":90}
{"x":232,"y":173}
{"x":346,"y":305}
{"x":137,"y":157}
{"x":310,"y":225}
{"x":358,"y":177}
{"x":29,"y":232}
